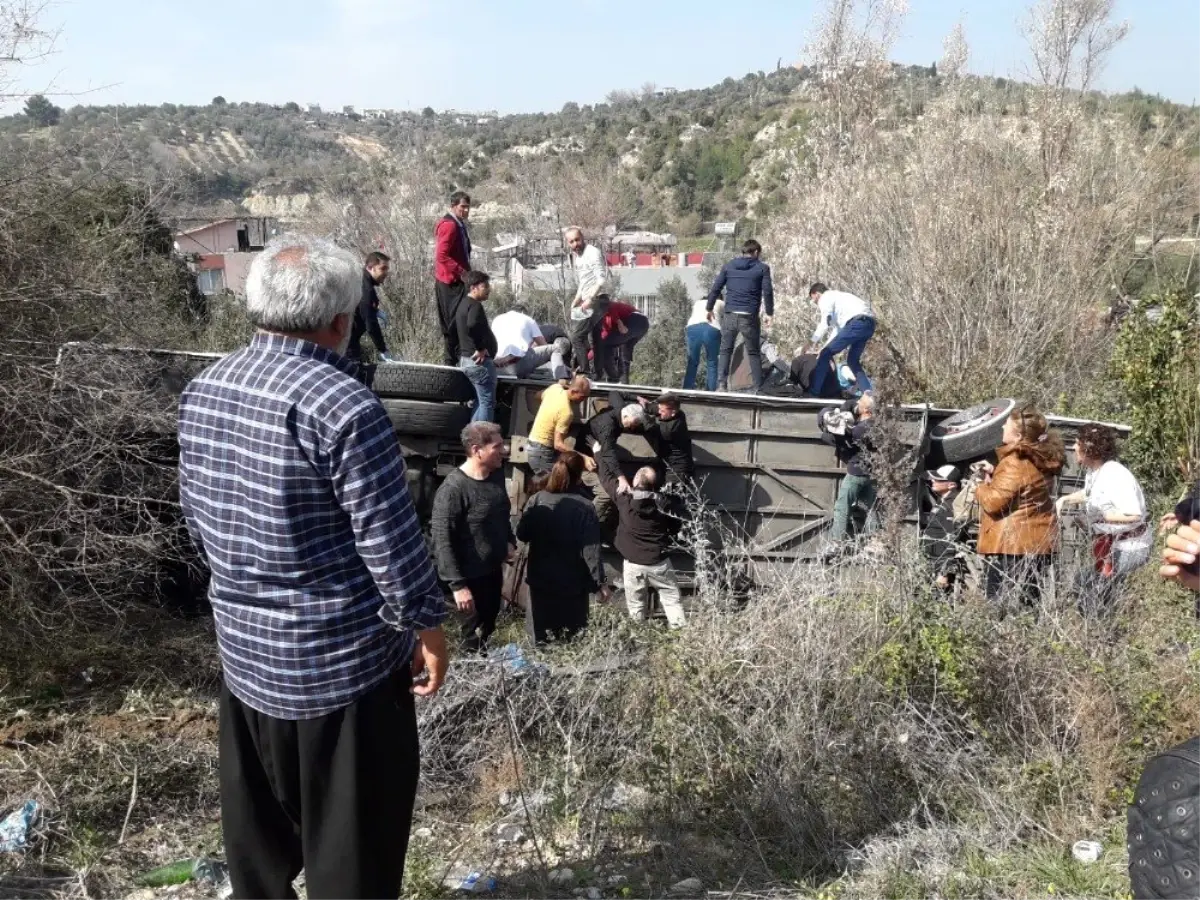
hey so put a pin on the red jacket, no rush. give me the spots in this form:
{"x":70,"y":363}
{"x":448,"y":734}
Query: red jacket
{"x":617,"y":312}
{"x":451,"y":259}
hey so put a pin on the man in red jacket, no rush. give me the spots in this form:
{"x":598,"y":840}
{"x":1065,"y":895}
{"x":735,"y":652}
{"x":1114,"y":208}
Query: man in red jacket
{"x":452,"y":261}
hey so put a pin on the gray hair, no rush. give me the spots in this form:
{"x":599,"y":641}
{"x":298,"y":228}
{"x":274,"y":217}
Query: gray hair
{"x":300,"y":283}
{"x":480,"y":434}
{"x":632,"y":415}
{"x":645,"y":479}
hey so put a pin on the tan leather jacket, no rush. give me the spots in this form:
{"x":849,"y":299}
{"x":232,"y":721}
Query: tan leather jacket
{"x":1017,"y":505}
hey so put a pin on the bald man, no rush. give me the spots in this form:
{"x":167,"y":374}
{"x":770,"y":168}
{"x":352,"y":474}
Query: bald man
{"x":591,"y":299}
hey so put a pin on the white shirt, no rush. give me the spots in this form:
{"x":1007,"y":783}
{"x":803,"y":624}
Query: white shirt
{"x":700,"y":312}
{"x":515,"y":333}
{"x":591,"y":272}
{"x":835,"y":309}
{"x":1113,"y":488}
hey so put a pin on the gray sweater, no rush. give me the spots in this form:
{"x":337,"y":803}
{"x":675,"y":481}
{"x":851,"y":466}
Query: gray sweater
{"x":472,"y":529}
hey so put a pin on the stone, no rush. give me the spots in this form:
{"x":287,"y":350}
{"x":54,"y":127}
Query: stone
{"x":510,"y":834}
{"x":616,"y":879}
{"x":423,"y":833}
{"x":564,"y":876}
{"x":687,"y":887}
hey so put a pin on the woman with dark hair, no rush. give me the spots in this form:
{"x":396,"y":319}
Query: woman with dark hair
{"x":1114,"y":506}
{"x":564,"y":537}
{"x":1017,"y":526}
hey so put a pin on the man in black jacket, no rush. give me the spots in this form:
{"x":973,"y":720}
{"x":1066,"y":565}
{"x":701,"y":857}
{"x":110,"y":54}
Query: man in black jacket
{"x":849,"y":431}
{"x":366,"y":315}
{"x":942,"y":539}
{"x":746,"y":281}
{"x":603,"y":431}
{"x":668,"y":435}
{"x":472,"y":532}
{"x":644,"y":535}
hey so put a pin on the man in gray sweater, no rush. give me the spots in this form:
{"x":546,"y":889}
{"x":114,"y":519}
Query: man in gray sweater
{"x":472,"y":532}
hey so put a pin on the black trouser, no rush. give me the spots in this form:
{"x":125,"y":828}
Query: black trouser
{"x":616,"y":350}
{"x":582,"y":336}
{"x":332,"y":795}
{"x":488,"y":593}
{"x":747,"y":325}
{"x":448,"y":298}
{"x":1021,"y":575}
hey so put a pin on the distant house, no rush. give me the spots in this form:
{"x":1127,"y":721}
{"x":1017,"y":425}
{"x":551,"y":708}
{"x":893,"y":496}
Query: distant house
{"x":314,"y":109}
{"x":380,"y":114}
{"x":220,"y":251}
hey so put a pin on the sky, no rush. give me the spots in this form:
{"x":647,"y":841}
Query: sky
{"x":518,"y":55}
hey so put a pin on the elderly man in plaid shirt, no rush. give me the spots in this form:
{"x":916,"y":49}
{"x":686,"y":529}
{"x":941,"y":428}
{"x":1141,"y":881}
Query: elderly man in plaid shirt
{"x":327,"y":607}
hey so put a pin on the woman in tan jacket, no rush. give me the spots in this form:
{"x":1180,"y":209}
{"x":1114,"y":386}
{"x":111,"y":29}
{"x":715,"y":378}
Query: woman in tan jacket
{"x":1018,"y":530}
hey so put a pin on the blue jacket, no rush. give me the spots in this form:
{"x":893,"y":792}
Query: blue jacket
{"x":747,"y":283}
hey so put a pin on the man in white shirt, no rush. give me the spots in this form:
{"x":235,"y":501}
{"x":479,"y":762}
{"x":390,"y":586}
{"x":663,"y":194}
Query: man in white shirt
{"x":591,"y":297}
{"x":852,"y":322}
{"x":521,"y":348}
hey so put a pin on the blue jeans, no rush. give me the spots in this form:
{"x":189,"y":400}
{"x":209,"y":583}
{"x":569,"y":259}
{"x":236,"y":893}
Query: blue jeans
{"x":853,"y":336}
{"x":483,"y":376}
{"x":707,"y":337}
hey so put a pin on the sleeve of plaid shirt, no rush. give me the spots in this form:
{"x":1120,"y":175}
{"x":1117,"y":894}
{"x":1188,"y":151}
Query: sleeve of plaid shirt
{"x":368,"y":480}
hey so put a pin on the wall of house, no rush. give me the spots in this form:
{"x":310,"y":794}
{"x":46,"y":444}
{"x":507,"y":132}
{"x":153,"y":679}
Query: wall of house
{"x":216,"y":238}
{"x":237,"y":267}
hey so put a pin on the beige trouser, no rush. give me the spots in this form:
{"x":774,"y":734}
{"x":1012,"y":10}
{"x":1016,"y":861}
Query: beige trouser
{"x":638,"y":581}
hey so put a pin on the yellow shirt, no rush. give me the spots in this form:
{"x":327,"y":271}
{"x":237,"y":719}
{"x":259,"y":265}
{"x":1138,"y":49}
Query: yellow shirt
{"x":554,"y":416}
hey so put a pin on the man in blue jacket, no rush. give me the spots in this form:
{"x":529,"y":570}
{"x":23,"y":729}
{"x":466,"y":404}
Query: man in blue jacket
{"x":746,"y":282}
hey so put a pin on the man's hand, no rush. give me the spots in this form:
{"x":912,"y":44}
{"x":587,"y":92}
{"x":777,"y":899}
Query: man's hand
{"x":605,"y":594}
{"x":643,"y":401}
{"x":1060,"y":504}
{"x":766,"y":321}
{"x":1183,"y":549}
{"x":623,"y":486}
{"x":431,"y":659}
{"x":1167,"y":522}
{"x":622,"y":327}
{"x":589,"y":464}
{"x":479,"y":356}
{"x":711,"y":318}
{"x":463,"y":599}
{"x":512,"y":554}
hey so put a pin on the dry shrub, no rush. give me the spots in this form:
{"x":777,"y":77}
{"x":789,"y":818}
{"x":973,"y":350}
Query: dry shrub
{"x":993,"y":245}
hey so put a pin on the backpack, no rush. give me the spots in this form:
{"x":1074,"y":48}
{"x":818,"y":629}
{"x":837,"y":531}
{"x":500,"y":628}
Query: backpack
{"x":1161,"y":826}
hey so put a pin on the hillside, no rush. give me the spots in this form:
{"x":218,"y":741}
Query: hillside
{"x":716,"y":153}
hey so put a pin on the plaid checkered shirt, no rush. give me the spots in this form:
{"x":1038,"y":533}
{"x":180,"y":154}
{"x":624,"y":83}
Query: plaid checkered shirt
{"x":292,"y":486}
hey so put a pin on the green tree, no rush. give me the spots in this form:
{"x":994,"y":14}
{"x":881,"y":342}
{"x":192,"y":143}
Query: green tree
{"x":41,"y":111}
{"x":1157,"y":364}
{"x":218,"y":100}
{"x":427,"y":113}
{"x":661,"y":356}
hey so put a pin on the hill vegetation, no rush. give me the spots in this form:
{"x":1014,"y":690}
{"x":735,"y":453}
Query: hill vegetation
{"x":692,"y":156}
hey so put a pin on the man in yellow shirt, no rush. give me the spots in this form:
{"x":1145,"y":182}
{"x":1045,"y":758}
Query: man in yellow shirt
{"x":548,"y":436}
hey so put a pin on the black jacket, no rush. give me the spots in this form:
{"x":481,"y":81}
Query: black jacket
{"x":645,"y":529}
{"x":854,"y":447}
{"x":366,"y":319}
{"x":802,"y":369}
{"x":942,"y":539}
{"x":564,"y":539}
{"x":672,"y":443}
{"x":474,"y":332}
{"x":605,"y":428}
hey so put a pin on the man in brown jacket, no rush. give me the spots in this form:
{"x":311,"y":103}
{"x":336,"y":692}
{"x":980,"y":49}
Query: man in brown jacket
{"x":1018,"y":530}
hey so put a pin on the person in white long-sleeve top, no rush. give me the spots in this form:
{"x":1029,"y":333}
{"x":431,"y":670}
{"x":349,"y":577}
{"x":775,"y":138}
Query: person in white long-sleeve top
{"x":852,"y":322}
{"x":591,"y":297}
{"x":703,"y":335}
